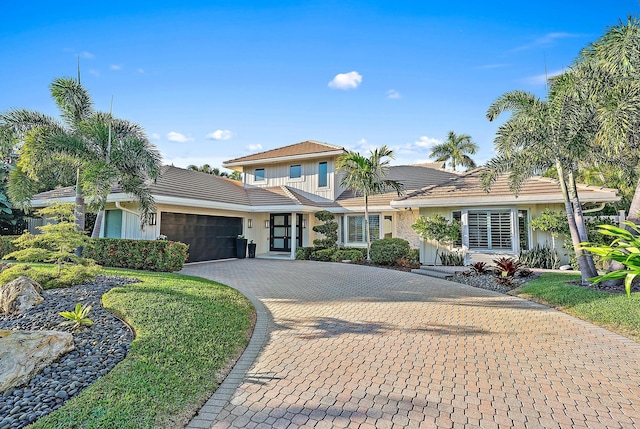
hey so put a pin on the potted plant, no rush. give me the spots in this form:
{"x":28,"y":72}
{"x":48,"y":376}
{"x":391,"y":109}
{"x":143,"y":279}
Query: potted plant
{"x":241,"y":247}
{"x":252,"y":249}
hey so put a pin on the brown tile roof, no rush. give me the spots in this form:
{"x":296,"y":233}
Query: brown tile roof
{"x":465,"y":187}
{"x":303,"y":148}
{"x":271,"y":196}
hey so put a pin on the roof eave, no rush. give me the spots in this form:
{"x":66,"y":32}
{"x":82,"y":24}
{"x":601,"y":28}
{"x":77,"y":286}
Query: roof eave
{"x":492,"y":201}
{"x":273,"y":160}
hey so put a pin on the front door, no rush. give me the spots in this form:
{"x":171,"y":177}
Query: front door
{"x":280,"y":232}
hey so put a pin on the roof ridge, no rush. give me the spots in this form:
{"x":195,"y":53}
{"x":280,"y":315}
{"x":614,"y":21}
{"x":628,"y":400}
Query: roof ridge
{"x":290,"y":194}
{"x":284,"y":147}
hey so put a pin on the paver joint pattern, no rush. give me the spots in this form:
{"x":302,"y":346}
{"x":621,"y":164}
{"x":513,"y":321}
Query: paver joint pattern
{"x":347,"y":346}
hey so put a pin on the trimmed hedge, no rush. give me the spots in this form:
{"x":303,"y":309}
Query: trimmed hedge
{"x":353,"y":255}
{"x":6,"y":244}
{"x":388,"y":250}
{"x":149,"y":255}
{"x":304,"y":253}
{"x":323,"y":255}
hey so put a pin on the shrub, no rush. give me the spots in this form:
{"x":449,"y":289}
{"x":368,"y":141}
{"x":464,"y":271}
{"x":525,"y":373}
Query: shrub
{"x":437,"y":227}
{"x":150,"y":255}
{"x":414,"y":255}
{"x":353,"y":255}
{"x":388,"y":250}
{"x":6,"y":244}
{"x":323,"y":255}
{"x":303,"y":253}
{"x":362,"y":250}
{"x":452,"y":259}
{"x":507,"y":267}
{"x":329,"y":229}
{"x":540,"y":257}
{"x":43,"y":278}
{"x":71,"y":275}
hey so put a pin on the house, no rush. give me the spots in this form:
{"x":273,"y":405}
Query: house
{"x":282,"y":188}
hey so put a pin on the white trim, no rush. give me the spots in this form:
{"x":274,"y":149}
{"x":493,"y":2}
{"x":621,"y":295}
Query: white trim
{"x":283,"y":159}
{"x":489,"y":201}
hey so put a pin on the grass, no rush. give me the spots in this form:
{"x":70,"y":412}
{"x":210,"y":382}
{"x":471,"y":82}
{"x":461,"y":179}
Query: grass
{"x":616,"y":312}
{"x":188,"y":331}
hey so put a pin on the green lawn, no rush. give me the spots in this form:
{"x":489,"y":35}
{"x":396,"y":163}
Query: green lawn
{"x":616,"y":312}
{"x":188,"y":331}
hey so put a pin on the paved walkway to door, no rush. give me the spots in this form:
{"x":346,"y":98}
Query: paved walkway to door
{"x":349,"y":346}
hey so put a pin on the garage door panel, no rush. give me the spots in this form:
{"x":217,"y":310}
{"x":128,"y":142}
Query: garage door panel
{"x":208,"y":237}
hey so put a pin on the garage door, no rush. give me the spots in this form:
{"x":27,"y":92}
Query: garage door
{"x":208,"y":237}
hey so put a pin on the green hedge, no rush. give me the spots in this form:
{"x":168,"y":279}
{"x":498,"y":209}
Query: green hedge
{"x":304,"y":253}
{"x":149,"y":255}
{"x":388,"y":250}
{"x":6,"y":244}
{"x":353,"y":255}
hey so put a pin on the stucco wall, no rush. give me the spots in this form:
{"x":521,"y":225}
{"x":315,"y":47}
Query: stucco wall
{"x":404,"y":220}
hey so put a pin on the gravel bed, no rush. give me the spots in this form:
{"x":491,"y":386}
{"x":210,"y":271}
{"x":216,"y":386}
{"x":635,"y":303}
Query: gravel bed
{"x":98,"y":348}
{"x":488,"y":281}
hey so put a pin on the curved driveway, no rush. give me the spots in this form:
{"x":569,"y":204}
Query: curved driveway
{"x":342,"y":345}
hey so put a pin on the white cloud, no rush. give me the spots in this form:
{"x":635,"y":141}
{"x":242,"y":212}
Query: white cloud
{"x":177,"y":137}
{"x":87,"y":55}
{"x":393,"y":94}
{"x":220,"y":135}
{"x":116,"y":67}
{"x":362,"y":141}
{"x":541,"y":79}
{"x":345,"y":81}
{"x":426,"y":142}
{"x":141,"y":70}
{"x":94,"y":72}
{"x":254,"y":147}
{"x":155,"y":136}
{"x":492,"y":66}
{"x":546,"y":40}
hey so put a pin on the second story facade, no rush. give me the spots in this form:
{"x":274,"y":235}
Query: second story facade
{"x":309,"y":166}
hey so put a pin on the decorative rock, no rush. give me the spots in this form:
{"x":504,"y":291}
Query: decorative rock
{"x":19,"y":295}
{"x":566,"y":267}
{"x":5,"y":265}
{"x":25,"y":353}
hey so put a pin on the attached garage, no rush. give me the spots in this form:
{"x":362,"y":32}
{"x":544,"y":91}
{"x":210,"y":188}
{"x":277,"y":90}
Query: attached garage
{"x":208,"y":237}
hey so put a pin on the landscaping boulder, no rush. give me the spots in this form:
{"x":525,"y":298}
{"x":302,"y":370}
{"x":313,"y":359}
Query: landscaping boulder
{"x":19,"y":295}
{"x":25,"y":353}
{"x":5,"y":265}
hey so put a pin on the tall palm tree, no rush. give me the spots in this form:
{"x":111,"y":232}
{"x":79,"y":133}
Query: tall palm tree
{"x":614,"y":60}
{"x":540,"y":135}
{"x":455,"y":150}
{"x":366,"y":176}
{"x":105,"y":151}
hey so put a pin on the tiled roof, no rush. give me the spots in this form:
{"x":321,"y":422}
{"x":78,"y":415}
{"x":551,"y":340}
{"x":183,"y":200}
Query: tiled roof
{"x":303,"y":148}
{"x":468,"y":187}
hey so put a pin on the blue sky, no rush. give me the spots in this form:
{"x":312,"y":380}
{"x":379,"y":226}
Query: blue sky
{"x":214,"y":80}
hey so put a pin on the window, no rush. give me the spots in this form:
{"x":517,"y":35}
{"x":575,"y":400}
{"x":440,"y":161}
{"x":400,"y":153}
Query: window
{"x":387,"y":227}
{"x":355,"y":228}
{"x":322,"y":175}
{"x":259,"y":175}
{"x":457,"y":215}
{"x":523,"y":229}
{"x":295,"y":171}
{"x":490,"y":229}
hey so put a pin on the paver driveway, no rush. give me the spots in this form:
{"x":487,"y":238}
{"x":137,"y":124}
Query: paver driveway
{"x":352,"y":346}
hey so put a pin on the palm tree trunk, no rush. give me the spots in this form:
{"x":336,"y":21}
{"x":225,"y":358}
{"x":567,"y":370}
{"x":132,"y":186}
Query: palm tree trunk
{"x":575,"y":237}
{"x":96,"y":227}
{"x":582,"y":229}
{"x":366,"y":225}
{"x":634,"y":209}
{"x":79,"y":209}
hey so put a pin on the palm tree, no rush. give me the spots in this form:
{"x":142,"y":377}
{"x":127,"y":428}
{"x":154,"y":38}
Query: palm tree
{"x":105,"y":151}
{"x":206,"y":168}
{"x":366,"y":176}
{"x":541,"y":135}
{"x":614,"y":60}
{"x":455,"y":150}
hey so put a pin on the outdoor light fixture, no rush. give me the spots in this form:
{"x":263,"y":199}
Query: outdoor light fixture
{"x":304,"y":223}
{"x":266,"y":224}
{"x":249,"y":223}
{"x":153,"y":218}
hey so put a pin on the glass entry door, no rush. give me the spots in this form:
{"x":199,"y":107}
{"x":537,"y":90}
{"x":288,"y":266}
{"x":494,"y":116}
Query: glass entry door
{"x":280,"y":232}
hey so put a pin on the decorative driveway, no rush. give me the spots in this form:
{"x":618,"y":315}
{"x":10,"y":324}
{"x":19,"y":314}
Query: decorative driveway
{"x":340,"y":345}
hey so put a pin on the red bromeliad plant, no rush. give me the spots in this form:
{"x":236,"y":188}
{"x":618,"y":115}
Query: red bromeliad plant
{"x":507,"y":267}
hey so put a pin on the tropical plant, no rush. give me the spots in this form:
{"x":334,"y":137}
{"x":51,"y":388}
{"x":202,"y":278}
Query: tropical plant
{"x":455,"y":150}
{"x":437,"y":227}
{"x":479,"y":268}
{"x":366,"y":177}
{"x":105,"y":151}
{"x":452,"y":259}
{"x":78,"y":317}
{"x":553,"y":222}
{"x":624,"y":249}
{"x":507,"y":267}
{"x":540,"y":257}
